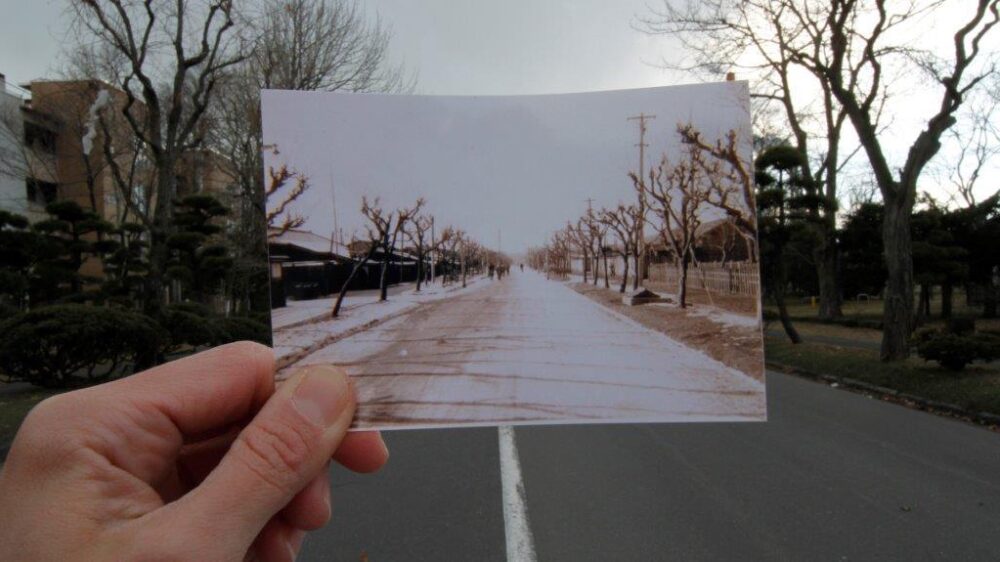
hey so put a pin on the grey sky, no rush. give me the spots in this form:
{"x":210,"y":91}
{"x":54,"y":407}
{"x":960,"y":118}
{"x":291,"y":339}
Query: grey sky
{"x":523,"y":165}
{"x":518,"y":47}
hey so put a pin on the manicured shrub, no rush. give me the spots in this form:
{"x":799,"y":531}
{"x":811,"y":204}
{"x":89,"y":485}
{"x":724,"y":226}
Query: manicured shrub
{"x":955,"y":351}
{"x":961,"y":326}
{"x":188,"y":324}
{"x":70,"y":345}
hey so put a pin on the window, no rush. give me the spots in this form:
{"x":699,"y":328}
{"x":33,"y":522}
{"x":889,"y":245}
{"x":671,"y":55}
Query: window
{"x":41,"y":192}
{"x":39,"y":138}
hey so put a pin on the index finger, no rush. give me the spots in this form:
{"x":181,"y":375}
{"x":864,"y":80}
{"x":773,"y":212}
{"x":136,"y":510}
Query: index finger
{"x":205,"y":391}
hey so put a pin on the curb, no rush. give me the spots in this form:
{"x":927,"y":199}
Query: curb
{"x":326,"y":315}
{"x":985,"y":419}
{"x":286,"y":360}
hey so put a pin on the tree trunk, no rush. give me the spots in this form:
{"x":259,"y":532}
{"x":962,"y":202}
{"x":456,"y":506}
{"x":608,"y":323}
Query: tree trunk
{"x":585,"y":264}
{"x":636,"y":278}
{"x":383,"y":288}
{"x":947,"y":290}
{"x":607,"y":281}
{"x":420,"y":269}
{"x":354,"y":272}
{"x":830,"y":299}
{"x":682,"y":284}
{"x":624,"y":273}
{"x":897,"y":316}
{"x":162,"y":221}
{"x":989,"y":300}
{"x":924,"y":303}
{"x":786,"y":321}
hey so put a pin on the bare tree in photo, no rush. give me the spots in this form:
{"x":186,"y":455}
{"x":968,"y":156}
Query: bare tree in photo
{"x":623,"y":220}
{"x":678,"y":193}
{"x":277,"y":199}
{"x":377,"y":229}
{"x":451,"y":243}
{"x":730,"y":181}
{"x":386,"y":228}
{"x":579,"y":236}
{"x":418,"y":231}
{"x":599,"y":233}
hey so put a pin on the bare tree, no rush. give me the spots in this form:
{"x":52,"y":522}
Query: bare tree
{"x":378,"y":229}
{"x":172,"y":58}
{"x":598,"y":234}
{"x":731,"y":182}
{"x":859,"y":42}
{"x":978,"y":146}
{"x":278,"y":216}
{"x":624,"y":222}
{"x":452,"y":240}
{"x":419,"y":232}
{"x":678,"y":192}
{"x":579,"y":235}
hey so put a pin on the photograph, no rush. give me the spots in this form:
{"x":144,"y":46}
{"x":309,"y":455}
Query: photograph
{"x":571,"y":258}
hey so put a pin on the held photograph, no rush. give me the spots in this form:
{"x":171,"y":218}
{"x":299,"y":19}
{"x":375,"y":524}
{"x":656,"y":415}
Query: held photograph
{"x":505,"y":260}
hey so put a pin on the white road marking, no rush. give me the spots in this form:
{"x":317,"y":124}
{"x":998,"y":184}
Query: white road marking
{"x":520,"y":542}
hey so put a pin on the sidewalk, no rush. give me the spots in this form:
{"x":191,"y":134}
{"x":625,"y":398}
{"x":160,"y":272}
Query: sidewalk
{"x":301,"y":312}
{"x":308,"y":326}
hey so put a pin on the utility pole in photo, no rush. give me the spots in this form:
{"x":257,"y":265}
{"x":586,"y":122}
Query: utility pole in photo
{"x":643,"y":265}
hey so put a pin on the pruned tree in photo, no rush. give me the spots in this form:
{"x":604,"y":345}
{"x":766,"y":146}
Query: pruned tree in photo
{"x":283,"y":187}
{"x":579,"y":235}
{"x":418,"y":231}
{"x":599,"y":234}
{"x":452,"y":240}
{"x":386,"y":228}
{"x":731,"y":187}
{"x":678,"y":193}
{"x":624,"y":222}
{"x":377,"y":224}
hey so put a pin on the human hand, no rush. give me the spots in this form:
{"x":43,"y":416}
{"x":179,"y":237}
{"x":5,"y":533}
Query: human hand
{"x":198,"y":459}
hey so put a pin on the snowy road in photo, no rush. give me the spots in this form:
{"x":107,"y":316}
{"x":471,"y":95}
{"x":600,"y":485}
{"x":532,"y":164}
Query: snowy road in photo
{"x":525,"y":349}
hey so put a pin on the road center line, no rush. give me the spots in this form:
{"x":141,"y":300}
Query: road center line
{"x":520,"y":542}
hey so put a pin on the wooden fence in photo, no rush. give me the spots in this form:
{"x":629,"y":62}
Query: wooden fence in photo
{"x":734,"y":278}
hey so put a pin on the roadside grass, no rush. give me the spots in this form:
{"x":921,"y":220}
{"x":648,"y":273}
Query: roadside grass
{"x":977,"y":388}
{"x":14,"y":406}
{"x":810,"y":330}
{"x":803,"y":308}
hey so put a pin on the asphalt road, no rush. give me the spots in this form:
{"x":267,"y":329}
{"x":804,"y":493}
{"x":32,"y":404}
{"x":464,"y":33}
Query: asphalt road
{"x":832,"y":476}
{"x":527,"y":349}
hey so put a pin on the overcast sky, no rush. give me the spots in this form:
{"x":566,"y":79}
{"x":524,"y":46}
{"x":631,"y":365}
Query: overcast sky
{"x":511,"y":47}
{"x":517,"y":167}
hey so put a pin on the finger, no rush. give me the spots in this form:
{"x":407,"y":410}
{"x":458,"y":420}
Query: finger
{"x":140,"y":423}
{"x":310,"y":508}
{"x":283,"y":449}
{"x":362,"y":451}
{"x":204,"y":391}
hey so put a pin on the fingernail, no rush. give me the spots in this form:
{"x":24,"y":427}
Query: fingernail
{"x":321,"y":395}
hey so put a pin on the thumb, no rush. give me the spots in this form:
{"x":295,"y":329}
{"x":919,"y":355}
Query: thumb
{"x":284,"y":448}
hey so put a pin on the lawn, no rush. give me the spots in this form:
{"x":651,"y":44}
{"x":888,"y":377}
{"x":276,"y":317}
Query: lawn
{"x":977,"y":388}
